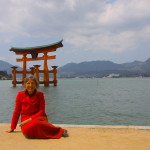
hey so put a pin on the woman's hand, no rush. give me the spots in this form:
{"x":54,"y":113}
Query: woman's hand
{"x":9,"y":131}
{"x":25,"y":122}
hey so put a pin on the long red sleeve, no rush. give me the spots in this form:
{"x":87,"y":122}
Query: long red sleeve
{"x":16,"y":113}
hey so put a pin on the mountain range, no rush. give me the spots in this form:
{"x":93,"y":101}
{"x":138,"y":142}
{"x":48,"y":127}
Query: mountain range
{"x":104,"y":68}
{"x":96,"y":69}
{"x":6,"y":67}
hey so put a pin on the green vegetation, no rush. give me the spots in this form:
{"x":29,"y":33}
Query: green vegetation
{"x":4,"y":75}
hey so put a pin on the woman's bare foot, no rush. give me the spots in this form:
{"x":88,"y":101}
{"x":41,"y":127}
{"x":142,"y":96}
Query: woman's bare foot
{"x":65,"y":133}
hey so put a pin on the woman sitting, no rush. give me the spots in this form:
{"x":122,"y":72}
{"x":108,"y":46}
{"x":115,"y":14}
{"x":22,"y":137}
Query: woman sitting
{"x":30,"y":104}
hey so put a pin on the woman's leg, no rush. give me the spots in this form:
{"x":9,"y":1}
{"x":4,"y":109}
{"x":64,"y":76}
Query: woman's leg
{"x":41,"y":128}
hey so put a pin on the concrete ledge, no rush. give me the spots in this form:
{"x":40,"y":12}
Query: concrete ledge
{"x":97,"y":126}
{"x":82,"y":137}
{"x":105,"y":126}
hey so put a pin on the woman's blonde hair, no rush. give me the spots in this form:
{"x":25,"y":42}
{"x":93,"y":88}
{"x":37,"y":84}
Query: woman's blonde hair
{"x":33,"y":78}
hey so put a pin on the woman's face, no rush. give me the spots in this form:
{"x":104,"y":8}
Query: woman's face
{"x":30,"y":86}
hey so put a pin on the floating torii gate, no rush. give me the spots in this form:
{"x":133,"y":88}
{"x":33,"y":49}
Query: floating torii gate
{"x":34,"y":51}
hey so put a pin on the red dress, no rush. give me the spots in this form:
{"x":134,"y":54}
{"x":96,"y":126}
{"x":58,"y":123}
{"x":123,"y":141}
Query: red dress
{"x":34,"y":107}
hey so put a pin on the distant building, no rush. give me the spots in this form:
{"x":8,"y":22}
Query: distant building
{"x":113,"y":75}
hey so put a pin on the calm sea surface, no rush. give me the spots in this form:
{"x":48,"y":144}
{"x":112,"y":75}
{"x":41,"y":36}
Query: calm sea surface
{"x":104,"y":101}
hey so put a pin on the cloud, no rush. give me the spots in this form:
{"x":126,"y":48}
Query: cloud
{"x":110,"y":25}
{"x":125,"y":13}
{"x":118,"y":27}
{"x":2,"y":58}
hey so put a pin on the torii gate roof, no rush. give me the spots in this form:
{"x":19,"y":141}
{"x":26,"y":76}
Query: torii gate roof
{"x":38,"y":49}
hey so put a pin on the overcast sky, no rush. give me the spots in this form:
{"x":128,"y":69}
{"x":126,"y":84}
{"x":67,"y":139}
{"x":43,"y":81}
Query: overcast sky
{"x":115,"y":30}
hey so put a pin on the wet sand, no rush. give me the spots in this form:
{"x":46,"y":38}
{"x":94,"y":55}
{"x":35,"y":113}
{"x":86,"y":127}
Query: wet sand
{"x":81,"y":138}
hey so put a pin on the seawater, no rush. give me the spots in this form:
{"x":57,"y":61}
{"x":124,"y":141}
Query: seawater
{"x":98,"y":101}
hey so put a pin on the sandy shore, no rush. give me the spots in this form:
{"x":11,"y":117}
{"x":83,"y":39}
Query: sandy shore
{"x":81,"y":138}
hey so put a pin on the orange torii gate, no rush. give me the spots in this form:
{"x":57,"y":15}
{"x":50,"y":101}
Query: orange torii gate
{"x":34,"y":51}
